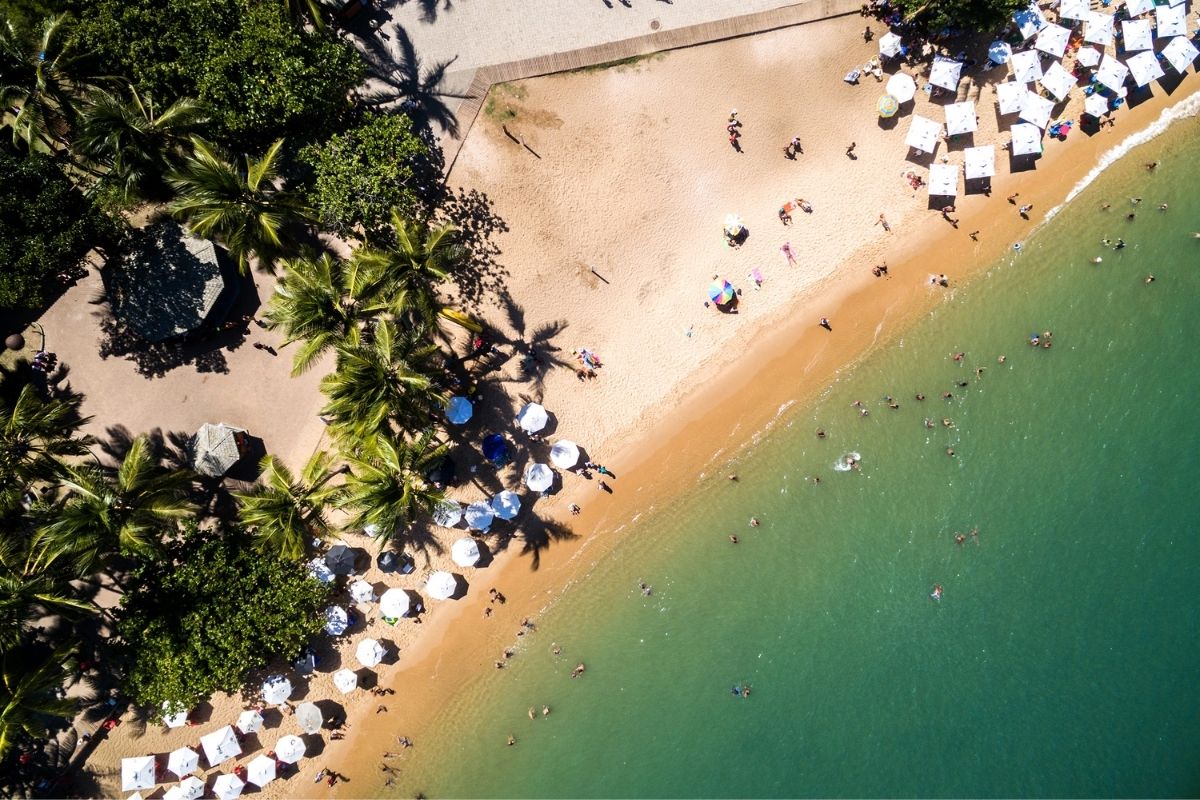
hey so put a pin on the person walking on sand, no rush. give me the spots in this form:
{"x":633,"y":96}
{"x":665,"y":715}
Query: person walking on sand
{"x":850,"y":151}
{"x":1012,"y":198}
{"x":824,"y":323}
{"x":796,"y":148}
{"x":787,"y":251}
{"x":883,"y":221}
{"x":1024,"y":210}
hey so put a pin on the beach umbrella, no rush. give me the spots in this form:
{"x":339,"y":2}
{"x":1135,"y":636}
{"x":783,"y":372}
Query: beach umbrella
{"x":228,"y":786}
{"x":309,"y":717}
{"x":1144,"y":67}
{"x":387,"y":561}
{"x":336,"y":621}
{"x":1026,"y":139}
{"x":276,"y":689}
{"x":943,"y":180}
{"x":459,"y":410}
{"x":1074,"y":9}
{"x":1096,"y":105}
{"x":1088,"y":56}
{"x":479,"y":516}
{"x":506,"y":505}
{"x":447,"y":513}
{"x":922,"y":134}
{"x":183,"y":762}
{"x":173,"y":718}
{"x":369,"y":652}
{"x":216,"y":448}
{"x":564,"y":454}
{"x":290,"y":749}
{"x":1112,"y":73}
{"x":888,"y":106}
{"x":341,"y":559}
{"x":733,"y":225}
{"x":220,"y":746}
{"x":137,"y":773}
{"x":394,"y":603}
{"x":1052,"y":40}
{"x":191,"y":788}
{"x":261,"y":770}
{"x":945,"y":73}
{"x":1036,"y":109}
{"x":495,"y":449}
{"x":441,"y":586}
{"x":902,"y":87}
{"x":465,"y":552}
{"x":320,"y":570}
{"x":1009,"y":96}
{"x":1137,"y":35}
{"x":1135,"y":7}
{"x":1058,"y":82}
{"x":345,"y":680}
{"x":979,"y":162}
{"x":1098,"y":28}
{"x":361,"y":591}
{"x":960,"y":118}
{"x":1170,"y":21}
{"x":999,"y":52}
{"x":1026,"y":66}
{"x":1029,"y":20}
{"x":539,"y":477}
{"x":249,"y":721}
{"x":889,"y":45}
{"x":532,"y":417}
{"x":1180,"y":53}
{"x":721,"y":292}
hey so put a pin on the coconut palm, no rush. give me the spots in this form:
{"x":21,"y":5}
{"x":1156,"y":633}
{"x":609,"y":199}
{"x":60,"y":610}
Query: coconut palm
{"x":29,"y":683}
{"x":298,"y":10}
{"x":137,"y":143}
{"x":284,"y":513}
{"x":386,"y":486}
{"x":34,"y":435}
{"x":240,"y":205}
{"x":382,"y":382}
{"x":30,"y":590}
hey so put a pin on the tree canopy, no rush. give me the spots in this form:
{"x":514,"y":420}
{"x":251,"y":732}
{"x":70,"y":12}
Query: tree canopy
{"x":970,"y":15}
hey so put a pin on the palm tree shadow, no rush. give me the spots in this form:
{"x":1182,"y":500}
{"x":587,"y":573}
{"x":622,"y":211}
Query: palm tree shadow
{"x":406,"y":82}
{"x":537,"y":534}
{"x":471,"y":212}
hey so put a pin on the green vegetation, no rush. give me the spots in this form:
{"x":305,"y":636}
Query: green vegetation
{"x":970,"y":15}
{"x":285,"y":513}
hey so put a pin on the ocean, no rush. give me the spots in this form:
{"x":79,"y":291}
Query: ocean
{"x":1061,"y":656}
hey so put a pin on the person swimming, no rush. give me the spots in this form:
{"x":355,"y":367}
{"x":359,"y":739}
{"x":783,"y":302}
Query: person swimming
{"x":936,"y":594}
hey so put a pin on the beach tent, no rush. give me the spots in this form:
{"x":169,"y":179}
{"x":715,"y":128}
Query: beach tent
{"x":441,"y":586}
{"x":960,"y":118}
{"x":945,"y":73}
{"x":261,"y":770}
{"x":1053,"y":40}
{"x":137,"y":773}
{"x":361,"y":591}
{"x":172,"y":718}
{"x":999,"y":52}
{"x":465,"y":552}
{"x":1144,"y":67}
{"x":538,"y":477}
{"x":902,"y":87}
{"x":1036,"y":109}
{"x":369,"y":652}
{"x":1009,"y":96}
{"x":395,"y":603}
{"x":220,"y":746}
{"x":309,"y":717}
{"x":1096,"y":105}
{"x":1026,"y":139}
{"x":249,"y":721}
{"x":1098,"y":29}
{"x":341,"y":559}
{"x":228,"y":786}
{"x":336,"y":620}
{"x":1135,"y":7}
{"x":1137,"y":35}
{"x":1074,"y":9}
{"x":923,"y":134}
{"x":1088,"y":56}
{"x":564,"y":454}
{"x":183,"y":762}
{"x":216,"y":448}
{"x":1112,"y":73}
{"x":459,"y":410}
{"x":1058,"y":82}
{"x":889,"y":45}
{"x":532,"y":417}
{"x":1170,"y":21}
{"x":979,"y":162}
{"x":1029,"y":20}
{"x":447,"y":513}
{"x":506,"y":505}
{"x":1026,"y":66}
{"x":1180,"y":53}
{"x":191,"y":788}
{"x":345,"y":680}
{"x":943,"y":180}
{"x":479,"y":516}
{"x":276,"y":689}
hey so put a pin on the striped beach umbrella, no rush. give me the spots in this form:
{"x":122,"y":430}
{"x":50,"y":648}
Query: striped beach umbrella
{"x":888,"y":106}
{"x":721,"y":292}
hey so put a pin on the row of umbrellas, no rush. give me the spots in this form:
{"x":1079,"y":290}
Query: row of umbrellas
{"x":219,"y":746}
{"x":531,"y":418}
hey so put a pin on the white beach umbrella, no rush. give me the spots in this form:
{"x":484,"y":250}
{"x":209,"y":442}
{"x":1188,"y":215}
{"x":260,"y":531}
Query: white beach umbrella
{"x":276,"y":689}
{"x":1098,"y":28}
{"x":1170,"y":21}
{"x":1036,"y":109}
{"x":539,"y":477}
{"x":506,"y":504}
{"x":1144,"y":67}
{"x":1175,"y":2}
{"x":999,"y":52}
{"x":309,"y":717}
{"x":532,"y":417}
{"x":922,"y":134}
{"x":1026,"y":139}
{"x":960,"y":118}
{"x":361,"y":591}
{"x":1088,"y":56}
{"x":220,"y":746}
{"x":1029,"y":20}
{"x":465,"y":552}
{"x":369,"y":652}
{"x":441,"y":586}
{"x":183,"y":762}
{"x":945,"y":73}
{"x":459,"y":410}
{"x":249,"y":721}
{"x":1096,"y":104}
{"x":889,"y":45}
{"x":979,"y":162}
{"x":564,"y":454}
{"x":1112,"y":73}
{"x":261,"y":770}
{"x":345,"y":680}
{"x":1026,"y":66}
{"x":228,"y":786}
{"x":135,"y":796}
{"x":1009,"y":96}
{"x":1074,"y":9}
{"x":1180,"y":53}
{"x":395,"y":603}
{"x":137,"y":773}
{"x":479,"y":516}
{"x":290,"y":749}
{"x":174,"y":717}
{"x":191,"y":788}
{"x":320,"y":570}
{"x":733,"y":225}
{"x":336,"y":620}
{"x":943,"y":180}
{"x":1135,"y":7}
{"x":447,"y":513}
{"x":1053,"y":39}
{"x":1137,"y":35}
{"x":1058,"y":82}
{"x":902,"y":87}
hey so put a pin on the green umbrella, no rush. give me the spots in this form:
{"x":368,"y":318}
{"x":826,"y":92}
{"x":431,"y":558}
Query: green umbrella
{"x":888,"y":106}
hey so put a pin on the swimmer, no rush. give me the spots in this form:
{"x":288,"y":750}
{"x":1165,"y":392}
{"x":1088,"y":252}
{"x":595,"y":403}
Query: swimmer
{"x":1149,"y":279}
{"x":959,"y":356}
{"x":959,"y":538}
{"x":736,"y":691}
{"x":947,"y":422}
{"x":1162,"y":207}
{"x":893,"y":404}
{"x":545,"y":711}
{"x":1120,"y":245}
{"x":928,"y":422}
{"x":1017,"y":246}
{"x":920,"y":396}
{"x":950,"y":452}
{"x":732,"y":477}
{"x":864,"y":413}
{"x":733,"y":538}
{"x":947,"y":396}
{"x":745,"y":692}
{"x":979,"y":372}
{"x":1002,"y":359}
{"x":511,"y":740}
{"x":937,"y":592}
{"x":754,"y":522}
{"x":1097,"y":260}
{"x":579,"y":670}
{"x":816,"y":479}
{"x":532,"y":713}
{"x":975,"y":534}
{"x":962,"y":383}
{"x":820,"y":433}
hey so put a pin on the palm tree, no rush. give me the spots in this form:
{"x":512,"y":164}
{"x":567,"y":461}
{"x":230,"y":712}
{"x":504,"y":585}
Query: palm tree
{"x":297,"y":10}
{"x":138,"y":144}
{"x":29,"y":683}
{"x":284,"y":513}
{"x":240,"y":205}
{"x":386,"y":486}
{"x":105,"y":510}
{"x":29,"y":591}
{"x":382,"y":382}
{"x":34,"y":435}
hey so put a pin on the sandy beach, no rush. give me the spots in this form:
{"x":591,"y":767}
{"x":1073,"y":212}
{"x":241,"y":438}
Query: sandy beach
{"x":614,"y":185}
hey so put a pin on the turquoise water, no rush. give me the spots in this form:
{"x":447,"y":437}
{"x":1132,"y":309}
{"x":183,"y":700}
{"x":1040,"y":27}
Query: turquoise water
{"x":1061,"y":659}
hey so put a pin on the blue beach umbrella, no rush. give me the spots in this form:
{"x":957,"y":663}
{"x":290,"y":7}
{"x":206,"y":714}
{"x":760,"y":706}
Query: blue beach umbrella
{"x":721,"y":292}
{"x":459,"y":410}
{"x":495,"y":449}
{"x":999,"y":52}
